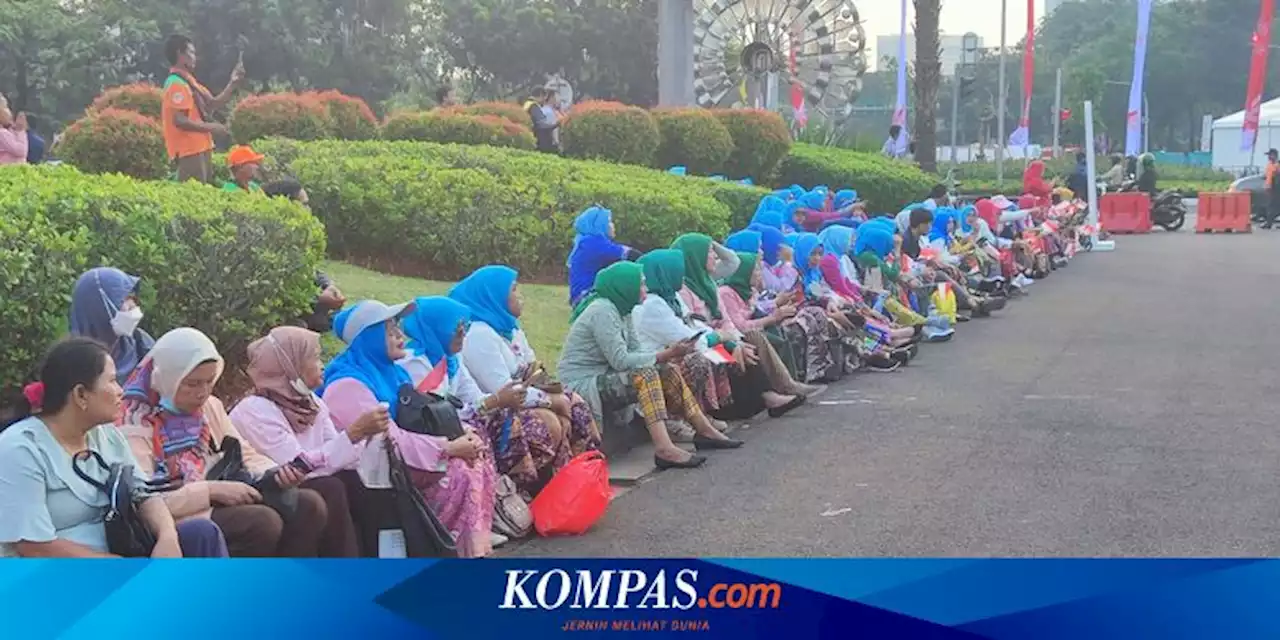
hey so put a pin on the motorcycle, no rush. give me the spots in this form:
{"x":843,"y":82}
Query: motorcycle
{"x":1167,"y":209}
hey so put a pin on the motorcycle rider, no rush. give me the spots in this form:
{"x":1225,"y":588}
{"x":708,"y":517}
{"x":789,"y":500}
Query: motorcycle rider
{"x":1114,"y":177}
{"x":1147,"y":177}
{"x":1273,"y":200}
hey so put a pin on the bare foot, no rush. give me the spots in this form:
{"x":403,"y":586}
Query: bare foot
{"x":774,"y":400}
{"x":673,"y":454}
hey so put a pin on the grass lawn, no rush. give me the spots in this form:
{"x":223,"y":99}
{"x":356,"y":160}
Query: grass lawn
{"x":546,"y":307}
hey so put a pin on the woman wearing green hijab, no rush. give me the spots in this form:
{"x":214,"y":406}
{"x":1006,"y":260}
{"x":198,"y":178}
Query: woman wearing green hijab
{"x":659,"y":322}
{"x":705,"y":261}
{"x":663,"y":320}
{"x":603,"y":362}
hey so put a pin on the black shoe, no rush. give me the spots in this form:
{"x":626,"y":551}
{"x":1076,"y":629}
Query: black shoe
{"x":995,"y":304}
{"x":901,"y":356}
{"x":778,"y":412}
{"x":692,"y":463}
{"x":703,"y":442}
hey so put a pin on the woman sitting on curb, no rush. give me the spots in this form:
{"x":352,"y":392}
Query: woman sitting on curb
{"x":46,"y":509}
{"x":602,"y":362}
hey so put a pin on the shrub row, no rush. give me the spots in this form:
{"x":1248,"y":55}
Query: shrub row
{"x":443,"y":210}
{"x":230,"y":265}
{"x":887,"y":185}
{"x":457,"y":128}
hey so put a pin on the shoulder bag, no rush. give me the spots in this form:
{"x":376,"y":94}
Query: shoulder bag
{"x":425,"y":536}
{"x":127,"y":534}
{"x":230,"y":468}
{"x":428,"y":413}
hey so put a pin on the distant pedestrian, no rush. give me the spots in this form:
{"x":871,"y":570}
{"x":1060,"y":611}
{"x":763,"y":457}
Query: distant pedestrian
{"x":13,"y":135}
{"x":1273,"y":198}
{"x":187,"y":111}
{"x":545,"y":120}
{"x":446,"y":97}
{"x":896,"y":146}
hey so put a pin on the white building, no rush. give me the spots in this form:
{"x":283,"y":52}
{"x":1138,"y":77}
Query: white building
{"x":1227,"y":154}
{"x":952,"y":50}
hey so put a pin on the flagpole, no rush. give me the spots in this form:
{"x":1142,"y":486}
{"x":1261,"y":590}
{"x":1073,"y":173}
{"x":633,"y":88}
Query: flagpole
{"x":1000,"y":141}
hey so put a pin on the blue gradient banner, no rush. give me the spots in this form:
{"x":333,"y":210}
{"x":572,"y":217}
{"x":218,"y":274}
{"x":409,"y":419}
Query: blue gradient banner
{"x":312,"y":599}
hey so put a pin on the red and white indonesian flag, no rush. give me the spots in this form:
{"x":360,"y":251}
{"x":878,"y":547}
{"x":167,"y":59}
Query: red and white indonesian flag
{"x":719,"y":355}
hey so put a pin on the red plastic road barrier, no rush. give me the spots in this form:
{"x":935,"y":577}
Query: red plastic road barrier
{"x":1224,"y":212}
{"x":1125,"y":213}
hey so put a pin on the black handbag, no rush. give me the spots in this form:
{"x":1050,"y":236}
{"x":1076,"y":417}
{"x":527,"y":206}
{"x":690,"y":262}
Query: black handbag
{"x":230,"y":468}
{"x":127,"y":534}
{"x":429,"y":414}
{"x":424,"y":535}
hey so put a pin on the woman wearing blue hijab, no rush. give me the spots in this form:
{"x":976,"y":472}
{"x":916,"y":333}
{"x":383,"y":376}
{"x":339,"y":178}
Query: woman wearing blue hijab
{"x":769,"y":212}
{"x":807,"y":257}
{"x":745,"y":241}
{"x":104,"y":307}
{"x":943,"y":220}
{"x":496,"y":354}
{"x":845,"y":198}
{"x":456,"y":477}
{"x":593,"y":249}
{"x":771,"y":242}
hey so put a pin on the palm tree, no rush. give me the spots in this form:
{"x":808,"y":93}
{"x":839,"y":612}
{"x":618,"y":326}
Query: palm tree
{"x":928,"y":78}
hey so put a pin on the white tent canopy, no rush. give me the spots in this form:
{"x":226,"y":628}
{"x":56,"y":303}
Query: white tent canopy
{"x":1226,"y":139}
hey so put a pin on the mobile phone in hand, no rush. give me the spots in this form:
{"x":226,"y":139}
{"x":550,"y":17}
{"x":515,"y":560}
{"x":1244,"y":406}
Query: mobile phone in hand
{"x":694,"y":338}
{"x":300,"y":463}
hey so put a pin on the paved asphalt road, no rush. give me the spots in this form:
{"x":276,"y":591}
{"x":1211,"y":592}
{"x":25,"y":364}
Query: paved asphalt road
{"x":1128,"y":407}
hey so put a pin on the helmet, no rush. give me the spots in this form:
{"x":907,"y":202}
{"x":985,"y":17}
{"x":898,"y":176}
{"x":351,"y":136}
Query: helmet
{"x":1148,"y":160}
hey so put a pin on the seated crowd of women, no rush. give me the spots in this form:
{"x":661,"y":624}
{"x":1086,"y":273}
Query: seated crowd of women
{"x":676,"y":342}
{"x":149,"y":404}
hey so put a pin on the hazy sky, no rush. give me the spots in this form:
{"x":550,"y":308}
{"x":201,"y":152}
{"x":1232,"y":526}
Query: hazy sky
{"x":881,"y":17}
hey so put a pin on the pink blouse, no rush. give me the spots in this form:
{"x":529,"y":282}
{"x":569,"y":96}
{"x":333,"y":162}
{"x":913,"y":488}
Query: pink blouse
{"x":348,"y":399}
{"x":694,"y":305}
{"x":13,"y":146}
{"x":263,"y":424}
{"x":780,"y":277}
{"x":738,"y":311}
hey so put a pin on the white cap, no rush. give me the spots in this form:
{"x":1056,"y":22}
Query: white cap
{"x":370,"y":312}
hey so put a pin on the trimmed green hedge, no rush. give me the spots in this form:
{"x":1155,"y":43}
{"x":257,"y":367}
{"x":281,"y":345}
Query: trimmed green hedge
{"x":444,"y":210}
{"x":692,"y":138}
{"x":115,"y":141}
{"x":230,"y":265}
{"x":597,"y":130}
{"x":457,"y":128}
{"x":887,"y":185}
{"x":761,"y":140}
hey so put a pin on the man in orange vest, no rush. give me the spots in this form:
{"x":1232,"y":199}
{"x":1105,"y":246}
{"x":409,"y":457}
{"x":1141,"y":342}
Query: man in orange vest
{"x":1273,"y":202}
{"x":186,"y":109}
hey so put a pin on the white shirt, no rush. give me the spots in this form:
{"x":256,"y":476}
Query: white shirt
{"x":492,"y":360}
{"x":657,"y":326}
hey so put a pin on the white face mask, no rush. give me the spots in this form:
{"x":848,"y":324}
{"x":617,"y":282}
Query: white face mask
{"x":124,"y":323}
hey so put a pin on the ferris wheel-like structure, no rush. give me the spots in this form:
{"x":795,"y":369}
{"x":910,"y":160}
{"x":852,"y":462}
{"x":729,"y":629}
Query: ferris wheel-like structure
{"x":743,"y":50}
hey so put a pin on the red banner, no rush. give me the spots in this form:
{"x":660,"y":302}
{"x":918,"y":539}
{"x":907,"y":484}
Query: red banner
{"x":1029,"y":65}
{"x":1257,"y":76}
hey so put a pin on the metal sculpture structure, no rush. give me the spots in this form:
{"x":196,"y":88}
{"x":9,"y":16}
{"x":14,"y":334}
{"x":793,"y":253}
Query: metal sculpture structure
{"x":742,"y":50}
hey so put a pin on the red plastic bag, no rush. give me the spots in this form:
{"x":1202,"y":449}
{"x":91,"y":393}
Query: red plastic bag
{"x":575,"y":499}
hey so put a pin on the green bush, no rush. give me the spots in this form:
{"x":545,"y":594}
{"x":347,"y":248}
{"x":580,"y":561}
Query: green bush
{"x":287,"y":115}
{"x":887,"y":185}
{"x":115,"y":141}
{"x":509,"y":110}
{"x":350,"y":118}
{"x":453,"y":128}
{"x":760,"y":139}
{"x":145,"y":99}
{"x":609,"y":131}
{"x":456,"y":207}
{"x":693,"y":138}
{"x":231,"y":265}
